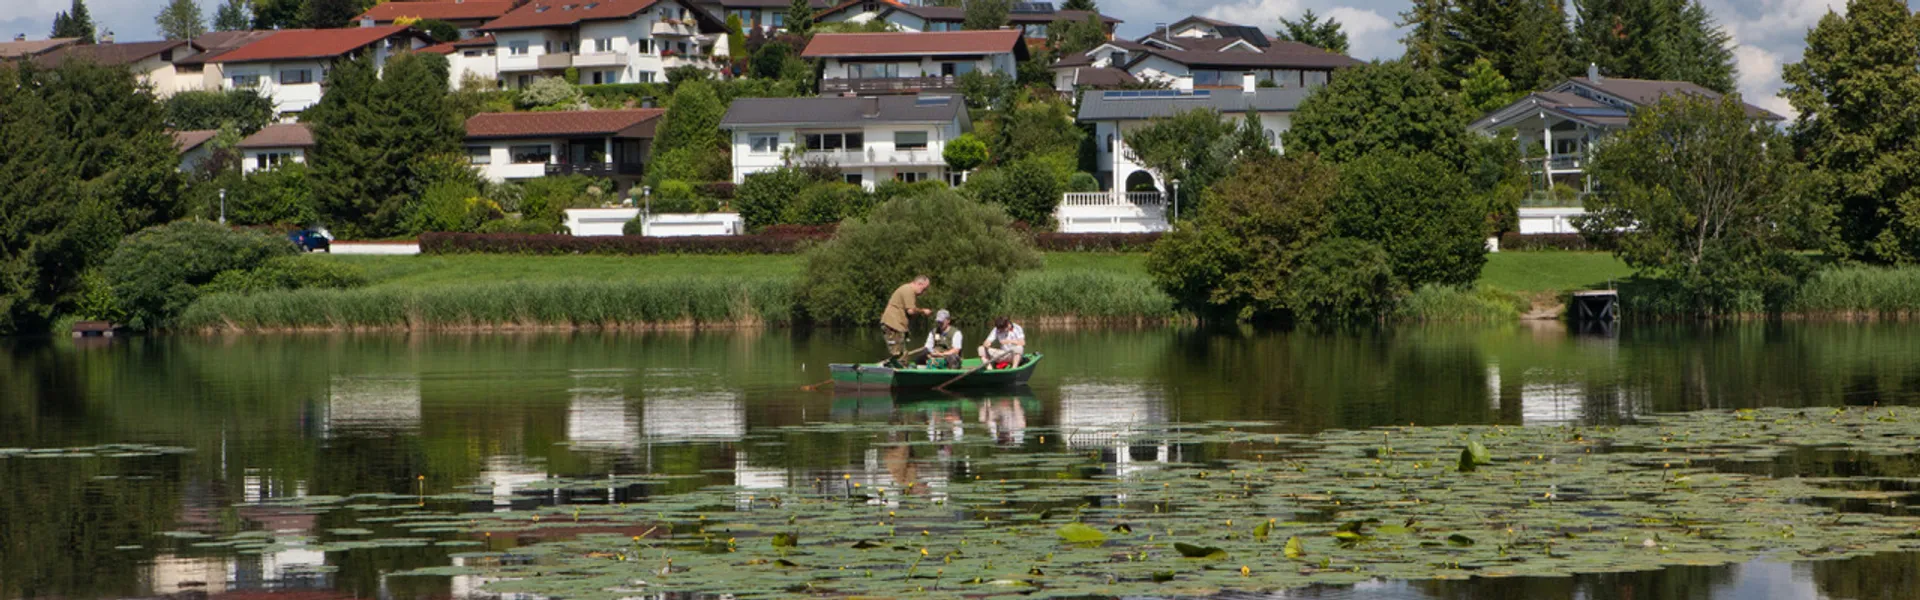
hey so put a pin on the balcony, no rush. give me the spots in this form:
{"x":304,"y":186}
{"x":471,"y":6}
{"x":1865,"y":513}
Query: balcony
{"x":597,"y":169}
{"x":876,"y":158}
{"x":673,"y":28}
{"x":889,"y":85}
{"x":555,"y":61}
{"x":601,"y":59}
{"x":681,"y":60}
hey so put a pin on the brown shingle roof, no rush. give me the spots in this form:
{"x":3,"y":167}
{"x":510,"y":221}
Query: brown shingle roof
{"x":216,"y":43}
{"x":633,"y":123}
{"x":311,"y":43}
{"x":914,"y":44}
{"x":186,"y":141}
{"x":280,"y":135}
{"x":482,"y":41}
{"x":444,"y":10}
{"x":956,"y":14}
{"x":1647,"y":92}
{"x":1281,"y":55}
{"x":32,"y":48}
{"x":558,"y":13}
{"x":109,"y":54}
{"x":1102,"y":78}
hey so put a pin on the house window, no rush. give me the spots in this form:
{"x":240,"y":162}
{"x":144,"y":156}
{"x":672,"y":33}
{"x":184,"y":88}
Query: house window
{"x":911,"y":176}
{"x":613,"y":77}
{"x":268,"y":160}
{"x":1206,"y":77}
{"x":474,"y":53}
{"x":646,"y":77}
{"x":166,"y":56}
{"x":246,"y":81}
{"x":1034,"y":31}
{"x":1287,"y":78}
{"x":819,"y":142}
{"x":853,"y":178}
{"x":873,"y":70}
{"x":956,"y":69}
{"x":531,"y":155}
{"x":516,"y":48}
{"x":763,"y":143}
{"x":776,"y":19}
{"x":644,"y":45}
{"x":597,"y":78}
{"x":1316,"y":79}
{"x":293,"y":76}
{"x":746,"y":17}
{"x":603,"y":45}
{"x":910,"y":140}
{"x":479,"y":155}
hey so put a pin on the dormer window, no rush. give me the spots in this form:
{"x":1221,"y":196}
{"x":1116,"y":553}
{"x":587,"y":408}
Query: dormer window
{"x":540,"y":9}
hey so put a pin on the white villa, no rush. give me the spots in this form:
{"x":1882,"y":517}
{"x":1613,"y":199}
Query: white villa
{"x":612,"y":144}
{"x":275,"y":145}
{"x":769,"y":15}
{"x":475,"y":57}
{"x":605,"y":41}
{"x":872,"y":139}
{"x":1199,"y":53}
{"x":465,"y":15}
{"x":911,"y":63}
{"x":288,"y":66}
{"x":1033,"y":19}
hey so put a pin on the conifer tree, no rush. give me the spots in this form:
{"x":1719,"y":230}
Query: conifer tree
{"x":376,"y":139}
{"x":800,"y":17}
{"x":1654,"y":39}
{"x":1311,"y":30}
{"x":1086,"y":5}
{"x":74,"y":23}
{"x":232,"y":16}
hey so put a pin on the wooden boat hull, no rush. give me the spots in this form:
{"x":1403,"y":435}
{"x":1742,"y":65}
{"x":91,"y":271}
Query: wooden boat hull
{"x":874,"y":376}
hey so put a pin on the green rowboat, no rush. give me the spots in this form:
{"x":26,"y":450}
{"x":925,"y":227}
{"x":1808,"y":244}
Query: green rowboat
{"x":877,"y":376}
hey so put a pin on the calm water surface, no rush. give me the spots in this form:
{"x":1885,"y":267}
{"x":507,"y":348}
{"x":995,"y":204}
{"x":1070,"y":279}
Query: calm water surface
{"x":272,"y":417}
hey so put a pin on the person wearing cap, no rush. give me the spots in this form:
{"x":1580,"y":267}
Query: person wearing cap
{"x":893,"y":320}
{"x":943,"y":343}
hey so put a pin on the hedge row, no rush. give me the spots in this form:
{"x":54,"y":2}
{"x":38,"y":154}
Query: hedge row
{"x":512,"y":243}
{"x":1514,"y":242}
{"x":777,"y":239}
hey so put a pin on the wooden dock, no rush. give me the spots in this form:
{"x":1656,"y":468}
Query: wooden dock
{"x":1596,"y":306}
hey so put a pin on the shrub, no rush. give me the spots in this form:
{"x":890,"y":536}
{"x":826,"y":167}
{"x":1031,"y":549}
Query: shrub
{"x":244,"y":110}
{"x":1082,"y":182}
{"x":1420,"y":210}
{"x":452,"y":206}
{"x":824,"y":203}
{"x":718,"y":190}
{"x":965,"y":153}
{"x":1095,"y":242}
{"x":848,"y":279}
{"x":893,"y":188}
{"x":282,"y":195}
{"x":158,"y":271}
{"x":515,"y":225}
{"x":687,"y":204}
{"x":504,"y":243}
{"x":289,"y":273}
{"x":762,"y":200}
{"x":1237,"y":259}
{"x":636,"y":226}
{"x":546,"y":199}
{"x":549,"y":93}
{"x":1343,"y":281}
{"x":1028,"y":190}
{"x":1514,"y":242}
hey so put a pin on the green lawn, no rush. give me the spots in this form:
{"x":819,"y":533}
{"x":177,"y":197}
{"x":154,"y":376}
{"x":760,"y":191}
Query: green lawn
{"x":1530,"y":272}
{"x":1525,"y":272}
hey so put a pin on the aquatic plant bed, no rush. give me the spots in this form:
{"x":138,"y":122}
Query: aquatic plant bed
{"x":1260,"y":511}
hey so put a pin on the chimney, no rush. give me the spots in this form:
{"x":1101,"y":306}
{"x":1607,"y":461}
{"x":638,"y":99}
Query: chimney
{"x":1593,"y":73}
{"x":1160,"y":30}
{"x":106,"y":38}
{"x":21,"y":37}
{"x":1247,"y":83}
{"x":870,"y":107}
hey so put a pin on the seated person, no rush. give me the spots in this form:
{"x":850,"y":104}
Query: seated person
{"x":1013,"y":344}
{"x":943,"y":343}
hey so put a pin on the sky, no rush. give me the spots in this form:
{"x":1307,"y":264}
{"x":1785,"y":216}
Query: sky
{"x":1769,"y":33}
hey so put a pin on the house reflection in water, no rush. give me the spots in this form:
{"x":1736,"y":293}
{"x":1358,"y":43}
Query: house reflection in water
{"x":1127,"y":422}
{"x":383,"y":404}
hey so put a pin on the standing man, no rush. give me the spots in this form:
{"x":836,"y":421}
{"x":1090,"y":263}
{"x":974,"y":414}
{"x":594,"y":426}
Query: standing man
{"x":893,"y":320}
{"x":1012,"y":340}
{"x":943,"y":343}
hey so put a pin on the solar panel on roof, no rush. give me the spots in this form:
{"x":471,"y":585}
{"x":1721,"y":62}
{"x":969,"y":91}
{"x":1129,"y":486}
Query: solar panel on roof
{"x":932,"y":100}
{"x":1595,"y":111}
{"x":1250,"y":34}
{"x":1132,"y":94}
{"x":1033,"y":7}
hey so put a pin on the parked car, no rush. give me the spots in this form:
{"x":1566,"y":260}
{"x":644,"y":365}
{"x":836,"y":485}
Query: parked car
{"x":309,"y":240}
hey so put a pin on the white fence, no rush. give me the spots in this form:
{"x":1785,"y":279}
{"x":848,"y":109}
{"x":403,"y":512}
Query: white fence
{"x":1111,"y":212}
{"x":1535,"y":220}
{"x":613,"y":221}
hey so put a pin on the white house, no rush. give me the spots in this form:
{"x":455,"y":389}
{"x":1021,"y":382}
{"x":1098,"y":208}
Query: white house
{"x":198,"y":72}
{"x":1033,"y":19}
{"x":1201,"y":53}
{"x":1557,"y":128}
{"x":288,"y":66}
{"x":474,"y":57}
{"x":770,"y":15}
{"x":872,"y":139}
{"x":194,"y":147}
{"x":275,"y":145}
{"x":153,"y":62}
{"x":605,"y":41}
{"x":1138,"y":198}
{"x":465,"y":15}
{"x":612,"y":144}
{"x":910,"y":63}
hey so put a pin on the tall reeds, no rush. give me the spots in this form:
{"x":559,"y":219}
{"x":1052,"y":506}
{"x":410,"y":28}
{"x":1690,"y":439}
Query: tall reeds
{"x":676,"y":302}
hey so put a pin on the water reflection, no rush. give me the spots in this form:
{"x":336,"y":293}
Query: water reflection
{"x":272,"y":418}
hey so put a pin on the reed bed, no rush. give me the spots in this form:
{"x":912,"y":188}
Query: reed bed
{"x":678,"y":302}
{"x":1859,"y":292}
{"x":1087,"y":296}
{"x":1435,"y":303}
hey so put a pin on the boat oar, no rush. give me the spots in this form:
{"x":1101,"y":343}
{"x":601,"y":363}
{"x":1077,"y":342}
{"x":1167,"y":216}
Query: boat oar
{"x":809,"y":388}
{"x":983,"y":364}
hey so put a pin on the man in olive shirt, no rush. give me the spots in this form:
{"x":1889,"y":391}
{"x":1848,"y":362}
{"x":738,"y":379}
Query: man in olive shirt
{"x":893,"y":321}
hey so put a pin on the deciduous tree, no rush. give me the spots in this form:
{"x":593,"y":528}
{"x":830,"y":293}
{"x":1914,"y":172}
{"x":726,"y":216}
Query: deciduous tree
{"x":1237,"y":259}
{"x":1196,"y":147}
{"x":232,"y":16}
{"x":245,"y":110}
{"x":1348,"y":118}
{"x":847,"y":279}
{"x":279,"y":14}
{"x":1485,"y":90}
{"x":987,"y":14}
{"x":964,"y":153}
{"x":1311,"y":30}
{"x":1073,"y":37}
{"x":1421,"y":210}
{"x":1857,"y":126}
{"x":181,"y":20}
{"x":330,"y":14}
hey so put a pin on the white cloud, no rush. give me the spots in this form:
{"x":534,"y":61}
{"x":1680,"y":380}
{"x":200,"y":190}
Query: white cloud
{"x":1760,"y":79}
{"x":1370,"y":35}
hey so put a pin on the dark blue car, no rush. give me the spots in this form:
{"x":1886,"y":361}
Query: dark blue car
{"x":309,"y":240}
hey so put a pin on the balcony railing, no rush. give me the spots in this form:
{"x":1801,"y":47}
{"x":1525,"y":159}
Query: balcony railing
{"x":889,"y":85}
{"x":596,"y":169}
{"x":872,"y":157}
{"x":675,"y":29}
{"x":555,"y":61}
{"x":601,"y":59}
{"x":1114,"y":198}
{"x":1559,"y":162}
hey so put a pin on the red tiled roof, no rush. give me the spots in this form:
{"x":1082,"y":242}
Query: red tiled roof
{"x":444,"y":10}
{"x":482,"y":41}
{"x":186,"y":141}
{"x":109,"y":54}
{"x":446,"y":48}
{"x":630,"y":123}
{"x":280,"y":135}
{"x":560,"y":13}
{"x":310,"y":43}
{"x":907,"y":44}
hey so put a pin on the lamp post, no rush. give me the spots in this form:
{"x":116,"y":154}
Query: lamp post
{"x":1176,"y":200}
{"x":223,"y":206}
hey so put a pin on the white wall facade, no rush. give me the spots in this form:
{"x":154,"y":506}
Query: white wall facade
{"x":635,"y":50}
{"x":925,"y":66}
{"x":481,"y":62}
{"x":294,"y":85}
{"x":255,"y":159}
{"x":1110,"y":139}
{"x":879,"y":159}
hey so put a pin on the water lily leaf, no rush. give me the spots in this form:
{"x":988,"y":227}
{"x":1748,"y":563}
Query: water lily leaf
{"x":1294,"y":548}
{"x":1081,"y":534}
{"x":1479,"y":453}
{"x":786,"y":540}
{"x":1467,"y":464}
{"x":866,"y":544}
{"x":1459,"y":540}
{"x":1193,"y":551}
{"x":1264,"y":529}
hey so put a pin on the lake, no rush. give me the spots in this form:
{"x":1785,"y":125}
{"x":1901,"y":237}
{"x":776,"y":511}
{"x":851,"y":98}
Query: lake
{"x":141,"y":467}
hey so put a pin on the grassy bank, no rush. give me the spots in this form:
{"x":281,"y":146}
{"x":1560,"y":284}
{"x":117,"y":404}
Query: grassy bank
{"x":464,"y":292}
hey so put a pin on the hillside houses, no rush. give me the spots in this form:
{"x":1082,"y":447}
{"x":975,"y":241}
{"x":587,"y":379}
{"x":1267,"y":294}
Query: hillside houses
{"x":604,"y":41}
{"x":289,"y":66}
{"x":909,"y":63}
